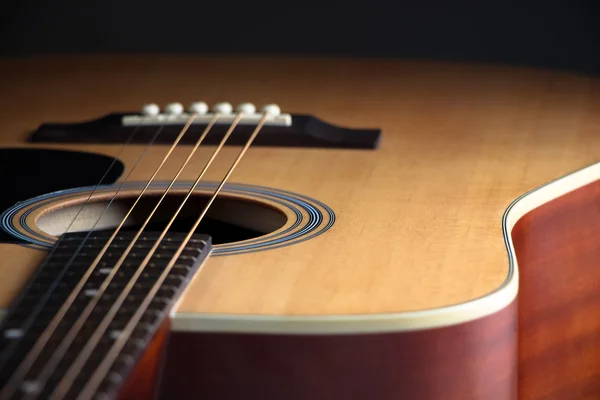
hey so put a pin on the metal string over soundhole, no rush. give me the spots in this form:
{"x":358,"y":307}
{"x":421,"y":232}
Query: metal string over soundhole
{"x":69,"y":337}
{"x":104,"y":368}
{"x":33,"y":390}
{"x":35,"y":387}
{"x":42,"y":300}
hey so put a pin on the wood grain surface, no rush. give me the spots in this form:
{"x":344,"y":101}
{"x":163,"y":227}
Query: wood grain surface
{"x":471,"y":361}
{"x":419,"y":220}
{"x":559,"y":299}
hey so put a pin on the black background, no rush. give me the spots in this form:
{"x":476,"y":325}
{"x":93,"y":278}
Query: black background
{"x":558,"y":34}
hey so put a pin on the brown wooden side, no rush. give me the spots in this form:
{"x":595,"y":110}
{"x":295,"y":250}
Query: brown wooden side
{"x":558,"y":249}
{"x":475,"y":360}
{"x":144,"y":380}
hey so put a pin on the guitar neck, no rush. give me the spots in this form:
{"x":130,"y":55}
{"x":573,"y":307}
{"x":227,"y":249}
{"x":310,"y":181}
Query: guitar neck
{"x":99,"y":317}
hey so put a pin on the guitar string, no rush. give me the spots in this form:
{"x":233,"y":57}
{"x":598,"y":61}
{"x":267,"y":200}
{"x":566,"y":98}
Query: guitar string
{"x":8,"y":351}
{"x":21,"y":369}
{"x":68,"y":378}
{"x":34,"y":353}
{"x":67,"y":341}
{"x":102,"y":370}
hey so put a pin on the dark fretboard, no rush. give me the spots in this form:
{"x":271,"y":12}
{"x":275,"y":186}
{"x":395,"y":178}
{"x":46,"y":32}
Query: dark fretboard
{"x":55,"y":280}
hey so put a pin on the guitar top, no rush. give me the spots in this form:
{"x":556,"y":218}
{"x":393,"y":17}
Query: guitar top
{"x":389,"y":206}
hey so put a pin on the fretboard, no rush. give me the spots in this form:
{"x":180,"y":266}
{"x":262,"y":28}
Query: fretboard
{"x":60,"y":273}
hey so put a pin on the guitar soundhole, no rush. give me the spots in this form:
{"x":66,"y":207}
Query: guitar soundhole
{"x":228,"y":220}
{"x":243,"y":219}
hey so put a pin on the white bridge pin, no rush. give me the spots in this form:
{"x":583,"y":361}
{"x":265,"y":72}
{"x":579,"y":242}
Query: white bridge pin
{"x":199,"y":108}
{"x":272,"y":109}
{"x":223,"y":108}
{"x":175,"y":114}
{"x":150,"y":110}
{"x":246,"y":108}
{"x":174,"y":109}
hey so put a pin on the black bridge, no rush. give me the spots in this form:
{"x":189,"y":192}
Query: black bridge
{"x":305,"y":131}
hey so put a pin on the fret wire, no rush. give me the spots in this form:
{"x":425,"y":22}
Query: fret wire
{"x":104,"y":367}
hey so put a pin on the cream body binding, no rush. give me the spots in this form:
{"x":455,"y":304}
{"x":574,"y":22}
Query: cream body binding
{"x":394,"y":322}
{"x":422,"y":237}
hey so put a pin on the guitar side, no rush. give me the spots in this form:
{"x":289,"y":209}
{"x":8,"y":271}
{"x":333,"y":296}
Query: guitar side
{"x":520,"y":351}
{"x":556,"y":246}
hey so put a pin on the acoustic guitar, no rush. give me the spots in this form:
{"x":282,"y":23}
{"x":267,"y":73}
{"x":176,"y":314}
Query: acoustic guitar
{"x":237,"y":228}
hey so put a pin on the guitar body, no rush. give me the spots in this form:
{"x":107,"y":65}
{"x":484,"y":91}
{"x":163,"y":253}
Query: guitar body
{"x":454,"y":257}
